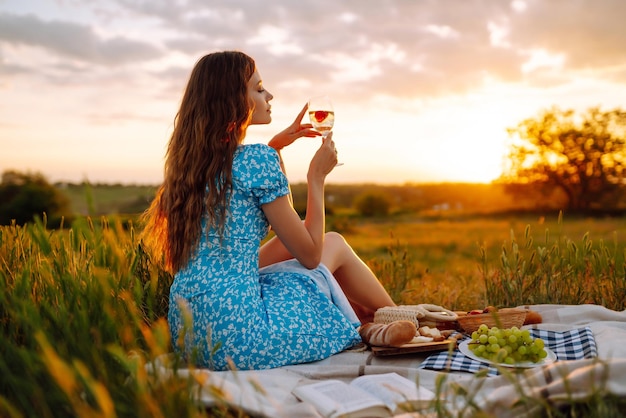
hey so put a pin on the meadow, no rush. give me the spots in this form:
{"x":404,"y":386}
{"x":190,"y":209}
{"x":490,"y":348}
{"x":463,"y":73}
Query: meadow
{"x":83,"y":309}
{"x":462,"y":263}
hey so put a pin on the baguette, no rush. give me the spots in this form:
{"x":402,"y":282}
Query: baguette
{"x":393,"y":334}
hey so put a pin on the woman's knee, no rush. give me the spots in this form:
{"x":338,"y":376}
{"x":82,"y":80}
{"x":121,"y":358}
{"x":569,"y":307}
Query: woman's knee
{"x":335,"y":239}
{"x":336,"y":244}
{"x":334,"y":235}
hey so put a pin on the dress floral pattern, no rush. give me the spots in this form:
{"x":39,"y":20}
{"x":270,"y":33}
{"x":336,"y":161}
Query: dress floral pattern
{"x":225,"y":313}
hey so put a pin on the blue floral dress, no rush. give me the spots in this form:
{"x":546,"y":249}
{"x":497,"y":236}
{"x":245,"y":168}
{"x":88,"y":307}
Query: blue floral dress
{"x":224,"y":309}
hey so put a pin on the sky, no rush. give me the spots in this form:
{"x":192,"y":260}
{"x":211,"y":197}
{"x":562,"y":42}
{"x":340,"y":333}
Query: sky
{"x":423,"y":90}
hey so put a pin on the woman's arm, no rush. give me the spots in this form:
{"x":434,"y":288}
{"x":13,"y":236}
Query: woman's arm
{"x":304,"y":240}
{"x":288,"y":135}
{"x":274,"y":250}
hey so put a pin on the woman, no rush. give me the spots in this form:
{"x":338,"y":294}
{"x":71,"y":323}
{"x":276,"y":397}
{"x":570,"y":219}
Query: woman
{"x":235,"y":303}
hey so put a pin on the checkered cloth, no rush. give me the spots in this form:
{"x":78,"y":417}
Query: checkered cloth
{"x":575,"y":344}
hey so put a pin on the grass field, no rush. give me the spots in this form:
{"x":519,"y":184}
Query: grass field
{"x":96,"y":200}
{"x":82,"y":310}
{"x":451,"y":262}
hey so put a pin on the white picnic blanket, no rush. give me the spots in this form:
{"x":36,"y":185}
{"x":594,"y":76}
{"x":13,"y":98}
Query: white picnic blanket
{"x":267,"y":393}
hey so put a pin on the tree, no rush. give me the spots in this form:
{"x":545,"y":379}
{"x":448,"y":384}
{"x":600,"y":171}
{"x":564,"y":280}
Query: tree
{"x":581,"y":157}
{"x":24,"y":196}
{"x":373,"y":204}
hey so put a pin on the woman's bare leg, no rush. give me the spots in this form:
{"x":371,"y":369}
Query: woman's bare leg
{"x":272,"y":252}
{"x":358,"y":282}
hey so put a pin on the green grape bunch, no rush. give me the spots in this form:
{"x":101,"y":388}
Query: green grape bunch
{"x":508,"y":346}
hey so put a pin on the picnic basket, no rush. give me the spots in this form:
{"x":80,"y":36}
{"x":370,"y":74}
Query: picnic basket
{"x":504,"y":318}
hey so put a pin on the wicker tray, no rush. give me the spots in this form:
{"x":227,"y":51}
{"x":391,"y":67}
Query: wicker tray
{"x":502,"y":319}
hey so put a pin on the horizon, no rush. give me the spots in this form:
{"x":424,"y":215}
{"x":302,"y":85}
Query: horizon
{"x":423,"y":92}
{"x":294,"y":183}
{"x":368,"y":183}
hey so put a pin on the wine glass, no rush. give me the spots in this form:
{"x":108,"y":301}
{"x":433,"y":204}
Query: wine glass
{"x":322,"y":115}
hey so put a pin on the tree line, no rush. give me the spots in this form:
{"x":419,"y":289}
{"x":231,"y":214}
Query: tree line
{"x":557,"y":160}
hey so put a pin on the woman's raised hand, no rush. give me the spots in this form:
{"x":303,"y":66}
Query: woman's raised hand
{"x":294,"y":131}
{"x":325,"y":159}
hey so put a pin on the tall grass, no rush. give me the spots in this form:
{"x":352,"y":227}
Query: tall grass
{"x":469,"y":264}
{"x":560,"y":271}
{"x":80,"y":324}
{"x":82,"y":310}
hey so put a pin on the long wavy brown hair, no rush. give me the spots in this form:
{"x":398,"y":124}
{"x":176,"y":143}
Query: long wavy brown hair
{"x":212,"y":120}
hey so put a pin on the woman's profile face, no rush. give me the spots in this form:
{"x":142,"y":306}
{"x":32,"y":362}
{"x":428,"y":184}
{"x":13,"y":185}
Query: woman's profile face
{"x":259,"y":98}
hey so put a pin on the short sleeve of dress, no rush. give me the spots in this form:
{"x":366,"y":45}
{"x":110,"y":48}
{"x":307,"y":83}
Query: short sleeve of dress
{"x":267,"y":180}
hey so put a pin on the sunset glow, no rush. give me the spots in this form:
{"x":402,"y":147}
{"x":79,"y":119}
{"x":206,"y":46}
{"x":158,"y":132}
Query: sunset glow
{"x":423,"y":92}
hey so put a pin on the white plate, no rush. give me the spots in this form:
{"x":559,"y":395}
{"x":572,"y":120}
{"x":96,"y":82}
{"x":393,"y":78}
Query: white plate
{"x":550,"y":358}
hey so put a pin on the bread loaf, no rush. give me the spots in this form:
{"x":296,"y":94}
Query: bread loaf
{"x":533,"y":317}
{"x":394,"y":334}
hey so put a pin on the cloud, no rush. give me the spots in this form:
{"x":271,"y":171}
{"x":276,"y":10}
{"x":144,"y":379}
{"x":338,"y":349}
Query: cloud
{"x":447,"y":44}
{"x":589,"y":33}
{"x":358,"y":48}
{"x":8,"y":69}
{"x":73,"y":40}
